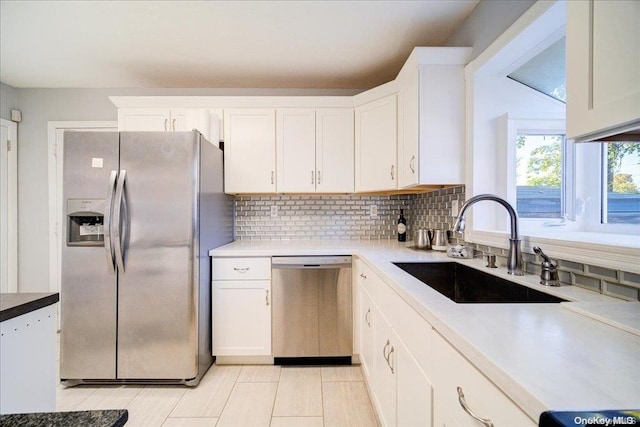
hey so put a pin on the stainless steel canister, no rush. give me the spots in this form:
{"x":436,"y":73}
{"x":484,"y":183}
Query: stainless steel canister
{"x":422,"y":240}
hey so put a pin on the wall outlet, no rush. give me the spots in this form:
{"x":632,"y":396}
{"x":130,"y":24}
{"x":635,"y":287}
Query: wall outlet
{"x":455,"y":207}
{"x":274,"y":211}
{"x":373,"y":210}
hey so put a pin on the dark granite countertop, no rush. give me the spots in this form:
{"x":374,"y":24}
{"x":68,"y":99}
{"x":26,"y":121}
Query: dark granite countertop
{"x":16,"y":304}
{"x":108,"y":418}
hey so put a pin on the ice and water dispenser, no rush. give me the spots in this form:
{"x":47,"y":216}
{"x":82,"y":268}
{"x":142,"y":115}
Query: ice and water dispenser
{"x":85,"y":222}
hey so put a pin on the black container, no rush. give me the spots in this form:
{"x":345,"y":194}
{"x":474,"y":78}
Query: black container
{"x":402,"y":227}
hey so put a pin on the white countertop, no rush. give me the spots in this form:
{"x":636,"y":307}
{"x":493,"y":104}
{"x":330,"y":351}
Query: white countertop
{"x":543,"y":356}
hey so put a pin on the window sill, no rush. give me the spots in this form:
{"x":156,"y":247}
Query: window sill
{"x":614,"y":251}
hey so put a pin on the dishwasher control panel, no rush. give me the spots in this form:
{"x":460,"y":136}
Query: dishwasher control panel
{"x":333,"y":261}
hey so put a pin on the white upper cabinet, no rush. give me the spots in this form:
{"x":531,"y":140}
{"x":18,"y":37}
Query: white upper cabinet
{"x":144,"y":119}
{"x":206,"y":121}
{"x":250,"y":150}
{"x":603,"y":67}
{"x":314,"y":150}
{"x":431,"y":122}
{"x":334,"y":150}
{"x":296,"y":150}
{"x":375,"y":145}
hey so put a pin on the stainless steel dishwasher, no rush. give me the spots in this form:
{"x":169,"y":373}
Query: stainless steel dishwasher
{"x":312,"y":314}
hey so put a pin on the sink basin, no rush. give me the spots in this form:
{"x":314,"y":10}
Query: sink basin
{"x":467,"y":285}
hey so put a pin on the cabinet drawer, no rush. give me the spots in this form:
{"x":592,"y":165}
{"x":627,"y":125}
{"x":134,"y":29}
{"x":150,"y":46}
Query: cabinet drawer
{"x":241,"y":268}
{"x":481,"y":395}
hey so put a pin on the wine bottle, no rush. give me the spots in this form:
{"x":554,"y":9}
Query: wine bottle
{"x":402,"y":227}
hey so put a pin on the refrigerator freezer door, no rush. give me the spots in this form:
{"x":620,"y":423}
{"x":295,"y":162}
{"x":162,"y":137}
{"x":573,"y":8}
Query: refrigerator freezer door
{"x":157,"y":299}
{"x":88,"y":282}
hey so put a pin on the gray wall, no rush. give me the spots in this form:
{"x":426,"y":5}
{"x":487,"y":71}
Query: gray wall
{"x":8,"y":100}
{"x":487,"y":22}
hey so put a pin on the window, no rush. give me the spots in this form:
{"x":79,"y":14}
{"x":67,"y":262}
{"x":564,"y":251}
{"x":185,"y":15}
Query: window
{"x":545,"y":72}
{"x":620,"y":183}
{"x":539,"y":175}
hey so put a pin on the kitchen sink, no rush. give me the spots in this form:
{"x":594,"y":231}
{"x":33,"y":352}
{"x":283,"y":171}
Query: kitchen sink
{"x":466,"y":285}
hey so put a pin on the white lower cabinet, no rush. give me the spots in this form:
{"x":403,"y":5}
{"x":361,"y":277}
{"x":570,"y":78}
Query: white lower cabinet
{"x":457,"y":382}
{"x":28,"y":362}
{"x":400,"y":389}
{"x":241,"y":306}
{"x":366,"y":331}
{"x":242,"y":318}
{"x":414,"y":389}
{"x":384,"y":369}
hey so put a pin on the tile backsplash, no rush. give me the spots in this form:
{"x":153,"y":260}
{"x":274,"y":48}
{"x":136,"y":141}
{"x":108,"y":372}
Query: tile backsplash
{"x":308,"y":217}
{"x":347,"y":217}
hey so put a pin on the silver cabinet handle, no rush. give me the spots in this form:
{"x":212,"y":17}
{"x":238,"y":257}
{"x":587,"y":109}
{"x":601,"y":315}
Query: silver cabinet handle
{"x":384,"y":351}
{"x":266,"y":297}
{"x":486,"y":421}
{"x":173,"y":124}
{"x":166,"y":122}
{"x":111,"y":260}
{"x":411,"y":162}
{"x":390,"y":360}
{"x":312,"y":177}
{"x":272,"y":176}
{"x":241,"y":269}
{"x":363,"y":275}
{"x":318,"y":178}
{"x":120,"y":206}
{"x":392,"y":168}
{"x":367,"y":316}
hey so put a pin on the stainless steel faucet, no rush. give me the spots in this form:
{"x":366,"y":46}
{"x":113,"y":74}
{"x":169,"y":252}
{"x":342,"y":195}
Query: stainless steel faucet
{"x":549,"y":269}
{"x":514,"y":262}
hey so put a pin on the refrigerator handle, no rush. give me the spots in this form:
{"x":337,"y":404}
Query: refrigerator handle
{"x":111,"y":261}
{"x":119,"y":226}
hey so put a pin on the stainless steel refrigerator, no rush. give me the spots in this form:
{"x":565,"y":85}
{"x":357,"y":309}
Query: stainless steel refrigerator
{"x":142,"y":210}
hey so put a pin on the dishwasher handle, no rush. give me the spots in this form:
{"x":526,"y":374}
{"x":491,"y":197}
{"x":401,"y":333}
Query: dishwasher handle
{"x":311,"y":262}
{"x":308,"y":266}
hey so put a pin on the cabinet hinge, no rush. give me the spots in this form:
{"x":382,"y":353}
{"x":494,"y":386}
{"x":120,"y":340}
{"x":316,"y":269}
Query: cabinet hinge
{"x":8,"y":145}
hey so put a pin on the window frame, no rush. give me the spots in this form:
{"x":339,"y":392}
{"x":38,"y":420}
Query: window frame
{"x":512,"y":125}
{"x":594,"y":186}
{"x":618,"y":251}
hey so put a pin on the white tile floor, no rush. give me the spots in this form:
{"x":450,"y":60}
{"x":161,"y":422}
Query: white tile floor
{"x":239,"y":396}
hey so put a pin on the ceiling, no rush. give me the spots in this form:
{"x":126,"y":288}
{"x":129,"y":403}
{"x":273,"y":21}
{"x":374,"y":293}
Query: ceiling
{"x":217,"y":44}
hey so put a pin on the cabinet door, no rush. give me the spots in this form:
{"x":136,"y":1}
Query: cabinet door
{"x":408,"y":132}
{"x":375,"y":145}
{"x":384,"y":368}
{"x":603,"y":66}
{"x":216,"y":128}
{"x":413,"y":388}
{"x":144,"y":119}
{"x":334,"y":150}
{"x":241,"y":318}
{"x":482,"y":397}
{"x":250,"y":150}
{"x":366,"y":332}
{"x":296,"y":146}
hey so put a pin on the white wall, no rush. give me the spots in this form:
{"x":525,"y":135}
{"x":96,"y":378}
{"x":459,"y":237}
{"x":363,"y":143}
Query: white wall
{"x":493,"y":97}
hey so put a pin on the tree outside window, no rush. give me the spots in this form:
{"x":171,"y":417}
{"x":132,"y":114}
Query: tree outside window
{"x":621,"y":203}
{"x":539,"y":174}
